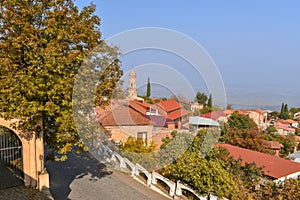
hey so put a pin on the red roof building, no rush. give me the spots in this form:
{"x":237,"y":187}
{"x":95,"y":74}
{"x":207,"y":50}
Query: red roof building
{"x":274,"y":167}
{"x":122,"y":121}
{"x":173,"y":110}
{"x":284,"y":128}
{"x":123,"y":116}
{"x":215,"y":115}
{"x":169,"y":105}
{"x":275,"y":146}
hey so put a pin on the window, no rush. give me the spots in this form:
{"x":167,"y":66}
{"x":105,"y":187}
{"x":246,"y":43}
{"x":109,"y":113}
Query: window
{"x":142,"y":137}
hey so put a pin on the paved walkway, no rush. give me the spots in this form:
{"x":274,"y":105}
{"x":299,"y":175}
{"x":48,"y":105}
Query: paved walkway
{"x":80,"y":177}
{"x":7,"y":179}
{"x":11,"y":187}
{"x":84,"y":178}
{"x":22,"y":193}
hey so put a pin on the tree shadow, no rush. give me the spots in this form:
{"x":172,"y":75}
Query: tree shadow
{"x":7,"y":178}
{"x":77,"y":166}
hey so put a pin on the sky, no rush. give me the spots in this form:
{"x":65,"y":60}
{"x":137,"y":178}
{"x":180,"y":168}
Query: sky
{"x":254,"y":44}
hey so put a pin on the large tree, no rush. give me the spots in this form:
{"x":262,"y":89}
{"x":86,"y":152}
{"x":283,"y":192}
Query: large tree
{"x":201,"y":98}
{"x":42,"y":46}
{"x":205,"y":174}
{"x":242,"y":131}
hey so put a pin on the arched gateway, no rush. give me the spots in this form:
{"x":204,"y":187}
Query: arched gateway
{"x":35,"y":174}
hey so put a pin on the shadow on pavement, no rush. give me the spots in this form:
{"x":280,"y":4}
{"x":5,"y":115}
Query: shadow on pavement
{"x":7,"y":178}
{"x":77,"y":166}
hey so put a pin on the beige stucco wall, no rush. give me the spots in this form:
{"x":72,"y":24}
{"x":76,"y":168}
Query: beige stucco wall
{"x":258,"y":119}
{"x":121,"y":133}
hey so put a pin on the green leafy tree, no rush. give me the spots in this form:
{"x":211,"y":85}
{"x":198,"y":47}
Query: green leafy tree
{"x":229,"y":107}
{"x":242,"y":131}
{"x":135,"y":146}
{"x":206,"y":110}
{"x":240,"y":121}
{"x":272,"y":129}
{"x":288,"y":189}
{"x":294,"y":110}
{"x":137,"y":152}
{"x":273,"y":115}
{"x":148,"y":88}
{"x":288,"y":143}
{"x":201,"y":98}
{"x":204,"y":174}
{"x":42,"y":46}
{"x":175,"y":146}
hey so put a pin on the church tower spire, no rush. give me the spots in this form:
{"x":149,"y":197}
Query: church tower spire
{"x":131,"y":90}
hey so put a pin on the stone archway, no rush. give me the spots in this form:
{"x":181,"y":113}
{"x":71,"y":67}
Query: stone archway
{"x":35,"y":174}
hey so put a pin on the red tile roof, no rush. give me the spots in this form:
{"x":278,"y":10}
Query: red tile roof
{"x":169,"y":105}
{"x":121,"y":115}
{"x":213,"y":115}
{"x":287,"y":121}
{"x":138,"y":107}
{"x":279,"y":125}
{"x":272,"y":166}
{"x":229,"y":112}
{"x":144,"y":104}
{"x":177,"y":114}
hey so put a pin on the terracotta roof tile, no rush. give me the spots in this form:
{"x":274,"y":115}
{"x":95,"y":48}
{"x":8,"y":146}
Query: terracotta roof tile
{"x":122,"y":115}
{"x":177,"y":114}
{"x":214,"y":115}
{"x":287,"y":121}
{"x":229,"y":112}
{"x":169,"y":105}
{"x":138,"y":107}
{"x":272,"y":166}
{"x":144,"y":104}
{"x":279,"y":125}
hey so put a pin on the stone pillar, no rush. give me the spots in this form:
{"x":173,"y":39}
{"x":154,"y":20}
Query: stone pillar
{"x":26,"y":161}
{"x":33,"y":165}
{"x":179,"y":125}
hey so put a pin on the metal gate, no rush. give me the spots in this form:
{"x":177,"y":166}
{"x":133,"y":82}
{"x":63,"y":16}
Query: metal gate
{"x":11,"y":163}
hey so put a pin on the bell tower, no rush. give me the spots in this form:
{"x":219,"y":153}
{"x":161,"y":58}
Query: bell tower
{"x":131,"y":90}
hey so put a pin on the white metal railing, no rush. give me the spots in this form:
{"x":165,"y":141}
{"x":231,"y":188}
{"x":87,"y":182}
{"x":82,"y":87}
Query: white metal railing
{"x":174,"y":188}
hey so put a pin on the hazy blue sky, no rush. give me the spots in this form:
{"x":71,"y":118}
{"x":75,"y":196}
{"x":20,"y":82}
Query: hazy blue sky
{"x":255,"y":44}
